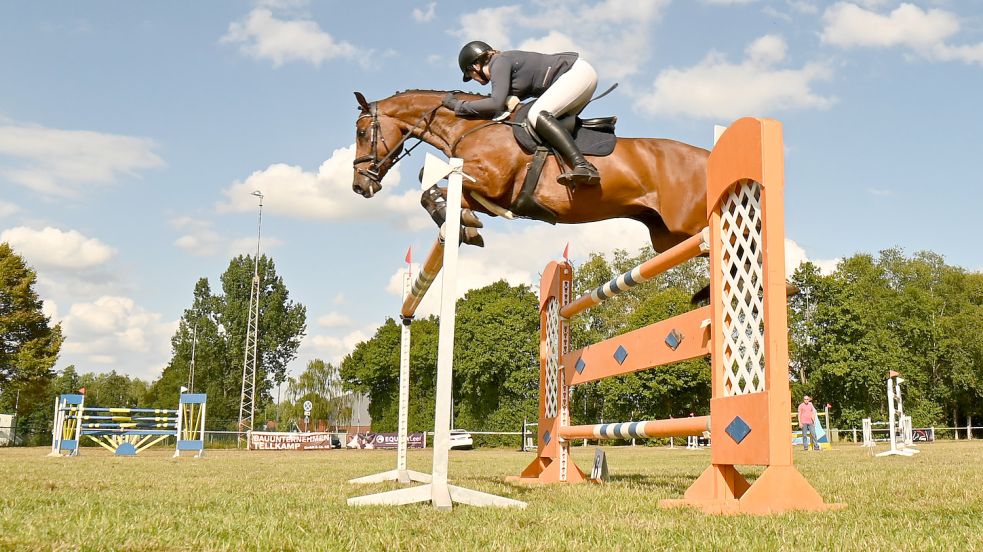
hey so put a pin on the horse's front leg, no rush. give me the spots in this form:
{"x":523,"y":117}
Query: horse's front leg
{"x":434,"y":201}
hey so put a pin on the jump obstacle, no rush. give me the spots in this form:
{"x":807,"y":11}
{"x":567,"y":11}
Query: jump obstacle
{"x":744,"y":330}
{"x":443,"y":255}
{"x":899,"y":425}
{"x":128,"y":431}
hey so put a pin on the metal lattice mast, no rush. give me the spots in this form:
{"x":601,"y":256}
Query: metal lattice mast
{"x":247,"y":404}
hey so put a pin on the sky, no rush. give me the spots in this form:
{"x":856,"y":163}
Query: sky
{"x":132,"y":135}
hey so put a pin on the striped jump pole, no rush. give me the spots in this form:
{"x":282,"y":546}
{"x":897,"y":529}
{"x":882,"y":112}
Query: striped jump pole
{"x":744,"y":330}
{"x":438,"y":491}
{"x":653,"y":429}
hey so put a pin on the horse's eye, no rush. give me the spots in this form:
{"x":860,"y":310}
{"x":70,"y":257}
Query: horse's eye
{"x":361,"y":133}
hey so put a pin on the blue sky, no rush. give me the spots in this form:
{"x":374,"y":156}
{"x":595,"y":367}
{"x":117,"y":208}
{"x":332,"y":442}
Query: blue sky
{"x":132,"y":134}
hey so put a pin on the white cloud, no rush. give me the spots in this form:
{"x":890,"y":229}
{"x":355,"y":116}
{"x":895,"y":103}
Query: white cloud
{"x":334,"y":348}
{"x":796,"y":255}
{"x":924,"y":32}
{"x":51,"y":248}
{"x":850,"y":25}
{"x":7,"y":209}
{"x":200,"y":238}
{"x":64,"y":163}
{"x":491,"y":25}
{"x":518,"y":252}
{"x":326,"y":194}
{"x":261,"y":35}
{"x":112,"y":327}
{"x":425,"y":15}
{"x":602,"y":32}
{"x":334,"y":319}
{"x":717,"y":89}
{"x":728,"y":2}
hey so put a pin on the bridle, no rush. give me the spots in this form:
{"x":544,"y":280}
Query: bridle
{"x":375,"y":129}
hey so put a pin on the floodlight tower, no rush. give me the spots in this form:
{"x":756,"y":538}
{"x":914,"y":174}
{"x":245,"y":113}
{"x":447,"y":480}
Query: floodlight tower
{"x":247,"y":404}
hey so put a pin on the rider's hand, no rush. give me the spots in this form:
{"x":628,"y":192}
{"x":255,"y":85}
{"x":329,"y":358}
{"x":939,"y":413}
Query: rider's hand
{"x":450,"y":102}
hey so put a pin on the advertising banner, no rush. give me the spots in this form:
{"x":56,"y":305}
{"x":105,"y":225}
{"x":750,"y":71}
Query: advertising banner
{"x":270,"y":440}
{"x":385,"y":441}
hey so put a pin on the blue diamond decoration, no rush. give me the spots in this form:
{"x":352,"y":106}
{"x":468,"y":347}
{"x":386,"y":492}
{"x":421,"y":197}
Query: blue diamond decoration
{"x":621,"y":354}
{"x":674,"y":339}
{"x":738,"y":430}
{"x":546,"y":438}
{"x":580,"y":365}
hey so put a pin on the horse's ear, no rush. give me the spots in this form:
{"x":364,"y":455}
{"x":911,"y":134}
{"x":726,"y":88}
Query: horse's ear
{"x":364,"y":105}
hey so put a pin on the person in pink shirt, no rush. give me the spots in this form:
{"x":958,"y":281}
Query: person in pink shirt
{"x":807,"y":422}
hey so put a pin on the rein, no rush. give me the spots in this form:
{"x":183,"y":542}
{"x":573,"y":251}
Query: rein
{"x":375,"y":164}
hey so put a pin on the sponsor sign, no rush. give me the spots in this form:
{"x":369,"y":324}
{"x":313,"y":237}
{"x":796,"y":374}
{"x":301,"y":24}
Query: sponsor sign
{"x":385,"y":440}
{"x":270,"y":440}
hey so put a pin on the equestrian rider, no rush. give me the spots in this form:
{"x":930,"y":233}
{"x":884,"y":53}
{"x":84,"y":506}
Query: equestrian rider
{"x":561,"y":83}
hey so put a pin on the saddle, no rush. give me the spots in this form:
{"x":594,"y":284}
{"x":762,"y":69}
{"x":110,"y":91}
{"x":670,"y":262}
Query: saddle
{"x":593,"y":136}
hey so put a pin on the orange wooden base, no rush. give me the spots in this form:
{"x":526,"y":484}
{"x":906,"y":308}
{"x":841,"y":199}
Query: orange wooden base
{"x":721,"y":489}
{"x":542,"y":471}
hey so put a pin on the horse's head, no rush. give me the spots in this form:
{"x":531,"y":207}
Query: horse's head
{"x":374,"y":156}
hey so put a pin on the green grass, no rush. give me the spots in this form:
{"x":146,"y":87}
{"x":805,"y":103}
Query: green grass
{"x":232,"y":500}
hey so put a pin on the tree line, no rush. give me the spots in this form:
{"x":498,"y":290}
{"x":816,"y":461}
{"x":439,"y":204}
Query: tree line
{"x":915,"y":315}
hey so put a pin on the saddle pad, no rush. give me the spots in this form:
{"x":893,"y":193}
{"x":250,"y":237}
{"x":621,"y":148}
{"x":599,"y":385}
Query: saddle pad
{"x":590,"y":141}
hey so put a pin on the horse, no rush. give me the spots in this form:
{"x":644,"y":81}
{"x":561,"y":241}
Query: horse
{"x":658,"y":182}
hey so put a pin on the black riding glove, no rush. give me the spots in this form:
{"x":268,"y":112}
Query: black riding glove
{"x":450,"y":102}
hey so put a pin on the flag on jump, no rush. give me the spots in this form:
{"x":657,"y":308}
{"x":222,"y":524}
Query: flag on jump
{"x":409,"y":255}
{"x":566,"y":252}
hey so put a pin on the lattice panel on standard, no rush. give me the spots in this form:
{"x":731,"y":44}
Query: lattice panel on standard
{"x":742,"y":265}
{"x":552,"y":355}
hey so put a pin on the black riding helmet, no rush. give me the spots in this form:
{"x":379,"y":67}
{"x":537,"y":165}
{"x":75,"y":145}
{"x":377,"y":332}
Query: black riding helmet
{"x":470,"y":54}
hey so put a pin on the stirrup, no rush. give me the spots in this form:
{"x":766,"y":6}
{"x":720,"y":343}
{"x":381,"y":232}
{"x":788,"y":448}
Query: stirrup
{"x":572,"y":178}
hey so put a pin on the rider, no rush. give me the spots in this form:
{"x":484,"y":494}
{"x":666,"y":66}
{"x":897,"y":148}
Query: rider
{"x":562,"y":83}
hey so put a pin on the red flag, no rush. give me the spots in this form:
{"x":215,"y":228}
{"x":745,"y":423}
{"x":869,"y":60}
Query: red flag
{"x":409,"y":255}
{"x":82,"y":390}
{"x":566,"y":252}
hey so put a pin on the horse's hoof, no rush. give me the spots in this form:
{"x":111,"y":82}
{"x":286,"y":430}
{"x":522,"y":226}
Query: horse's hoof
{"x":471,"y":236}
{"x":469,"y":219}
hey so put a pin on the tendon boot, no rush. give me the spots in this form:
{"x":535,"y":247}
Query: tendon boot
{"x":581,"y":171}
{"x":436,"y":206}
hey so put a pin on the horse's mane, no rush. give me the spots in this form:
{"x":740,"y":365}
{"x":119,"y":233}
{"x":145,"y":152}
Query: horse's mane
{"x":425,"y":91}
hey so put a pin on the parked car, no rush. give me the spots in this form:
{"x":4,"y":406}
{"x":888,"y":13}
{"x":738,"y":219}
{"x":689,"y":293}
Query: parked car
{"x":461,"y":439}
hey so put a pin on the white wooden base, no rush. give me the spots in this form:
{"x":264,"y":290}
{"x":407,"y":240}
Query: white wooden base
{"x":442,"y":499}
{"x":403,"y":476}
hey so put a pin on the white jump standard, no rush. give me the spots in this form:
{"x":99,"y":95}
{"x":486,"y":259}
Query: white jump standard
{"x":441,"y":494}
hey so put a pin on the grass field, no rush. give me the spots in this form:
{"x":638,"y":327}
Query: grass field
{"x":232,"y":500}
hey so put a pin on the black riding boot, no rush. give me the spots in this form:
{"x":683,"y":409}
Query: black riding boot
{"x":581,"y":171}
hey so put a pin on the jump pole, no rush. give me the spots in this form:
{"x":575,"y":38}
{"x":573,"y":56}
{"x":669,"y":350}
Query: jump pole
{"x":439,"y":492}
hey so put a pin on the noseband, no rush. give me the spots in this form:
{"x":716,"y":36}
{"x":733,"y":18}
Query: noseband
{"x":376,"y":165}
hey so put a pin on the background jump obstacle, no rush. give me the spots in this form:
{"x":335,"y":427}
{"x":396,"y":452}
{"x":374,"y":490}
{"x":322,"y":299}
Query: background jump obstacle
{"x":744,"y":330}
{"x":441,"y":494}
{"x":128,"y":431}
{"x":899,"y":425}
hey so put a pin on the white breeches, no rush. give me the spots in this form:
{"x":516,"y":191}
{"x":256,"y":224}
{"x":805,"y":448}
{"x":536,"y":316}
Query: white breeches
{"x":569,"y":94}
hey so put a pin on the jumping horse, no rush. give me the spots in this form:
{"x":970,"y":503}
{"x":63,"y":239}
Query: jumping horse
{"x":658,"y":182}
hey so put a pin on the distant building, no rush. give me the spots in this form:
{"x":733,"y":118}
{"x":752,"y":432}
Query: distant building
{"x":361,"y":422}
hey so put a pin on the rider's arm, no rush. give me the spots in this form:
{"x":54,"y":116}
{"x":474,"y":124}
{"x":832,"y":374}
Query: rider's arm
{"x":501,"y":80}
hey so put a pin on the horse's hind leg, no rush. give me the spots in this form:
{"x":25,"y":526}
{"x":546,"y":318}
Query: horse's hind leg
{"x":659,"y":234}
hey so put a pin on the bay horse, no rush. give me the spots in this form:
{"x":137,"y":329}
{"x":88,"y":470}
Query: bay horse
{"x":658,"y":182}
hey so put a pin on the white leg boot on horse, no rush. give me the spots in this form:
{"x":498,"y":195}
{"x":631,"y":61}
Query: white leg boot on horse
{"x":581,"y":170}
{"x":436,"y":205}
